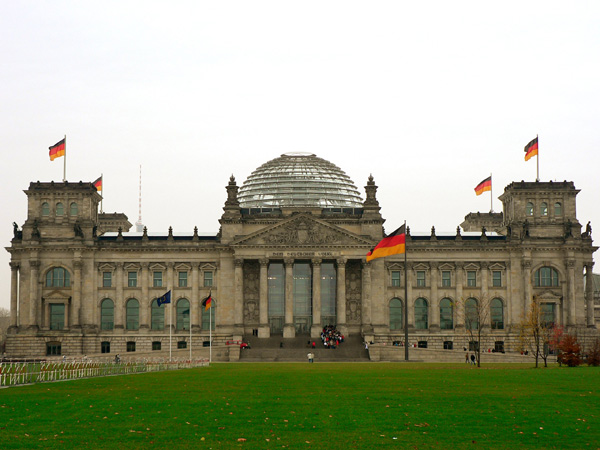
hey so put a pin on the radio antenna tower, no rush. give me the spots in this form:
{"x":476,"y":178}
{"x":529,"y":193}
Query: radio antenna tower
{"x":139,"y":226}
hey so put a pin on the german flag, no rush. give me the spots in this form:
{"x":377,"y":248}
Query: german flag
{"x":392,"y":244}
{"x":485,"y":185}
{"x":58,"y":149}
{"x":531,"y":149}
{"x":207,"y":302}
{"x":98,"y":184}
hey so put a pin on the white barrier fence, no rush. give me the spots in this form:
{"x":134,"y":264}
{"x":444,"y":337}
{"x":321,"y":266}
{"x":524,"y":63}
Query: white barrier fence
{"x":15,"y":373}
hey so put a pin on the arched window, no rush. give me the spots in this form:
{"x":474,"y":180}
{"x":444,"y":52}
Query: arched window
{"x":446,"y":314}
{"x":58,"y":277}
{"x":471,"y":314}
{"x":545,"y":277}
{"x":421,"y":322}
{"x":107,"y":314}
{"x":183,"y":314}
{"x":158,"y":316}
{"x":544,"y":209}
{"x":133,"y":314}
{"x":74,"y":209}
{"x":396,"y":314}
{"x":60,"y":209}
{"x":558,"y":209}
{"x":529,"y":209}
{"x":208,"y":316}
{"x":45,"y":209}
{"x":497,"y":314}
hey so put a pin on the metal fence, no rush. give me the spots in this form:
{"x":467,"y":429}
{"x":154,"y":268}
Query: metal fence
{"x":15,"y":373}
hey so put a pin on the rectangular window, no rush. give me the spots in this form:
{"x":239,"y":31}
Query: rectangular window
{"x":181,"y":344}
{"x":446,"y":280}
{"x":183,"y":279}
{"x":420,"y":278}
{"x":471,"y":278}
{"x":448,"y":345}
{"x":156,"y":345}
{"x":105,"y":347}
{"x":395,"y":278}
{"x":157,"y":279}
{"x":132,"y":279}
{"x":548,"y":314}
{"x":496,"y":278}
{"x":131,"y":346}
{"x":499,"y":346}
{"x":57,"y":316}
{"x":106,"y":279}
{"x":208,"y":279}
{"x":53,"y":348}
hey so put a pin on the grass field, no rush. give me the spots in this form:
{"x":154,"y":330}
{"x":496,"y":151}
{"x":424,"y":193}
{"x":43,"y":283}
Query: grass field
{"x":324,"y":406}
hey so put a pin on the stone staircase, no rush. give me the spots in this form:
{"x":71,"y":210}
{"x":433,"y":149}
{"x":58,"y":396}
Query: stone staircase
{"x":296,"y":349}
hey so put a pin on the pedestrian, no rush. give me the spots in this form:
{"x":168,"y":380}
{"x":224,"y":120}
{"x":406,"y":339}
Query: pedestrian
{"x":467,"y":358}
{"x":311,"y":357}
{"x":473,"y":359}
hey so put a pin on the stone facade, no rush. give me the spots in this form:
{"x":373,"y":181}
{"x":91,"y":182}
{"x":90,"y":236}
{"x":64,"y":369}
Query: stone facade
{"x":286,"y":272}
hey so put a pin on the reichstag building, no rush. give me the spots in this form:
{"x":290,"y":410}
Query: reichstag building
{"x":288,"y":259}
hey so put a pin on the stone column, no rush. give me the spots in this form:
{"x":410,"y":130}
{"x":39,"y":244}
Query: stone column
{"x":264,"y":331}
{"x":14,"y":280}
{"x":76,"y":305}
{"x":409,"y":294}
{"x":289,"y":330}
{"x":35,"y":310}
{"x":238,"y":289}
{"x":315,"y":330}
{"x":120,"y":311}
{"x":485,"y":299}
{"x":172,"y":314}
{"x":145,"y":304}
{"x":589,"y":295}
{"x":527,"y":292}
{"x":195,"y":300}
{"x":434,"y":301}
{"x":367,"y":322}
{"x":459,"y":307}
{"x":572,"y":314}
{"x":341,"y":295}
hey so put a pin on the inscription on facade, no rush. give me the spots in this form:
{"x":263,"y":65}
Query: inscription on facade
{"x":303,"y":254}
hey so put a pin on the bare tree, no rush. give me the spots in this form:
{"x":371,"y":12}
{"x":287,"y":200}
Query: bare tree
{"x":536,"y":333}
{"x":4,"y":324}
{"x":476,"y":314}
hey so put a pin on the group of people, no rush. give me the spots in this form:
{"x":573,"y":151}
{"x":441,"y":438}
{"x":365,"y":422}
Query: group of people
{"x":331,"y":337}
{"x":470,"y":360}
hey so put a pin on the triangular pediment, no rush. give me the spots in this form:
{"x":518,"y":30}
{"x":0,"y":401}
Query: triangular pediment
{"x":302,"y":230}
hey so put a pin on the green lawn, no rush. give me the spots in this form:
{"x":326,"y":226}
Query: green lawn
{"x":320,"y":406}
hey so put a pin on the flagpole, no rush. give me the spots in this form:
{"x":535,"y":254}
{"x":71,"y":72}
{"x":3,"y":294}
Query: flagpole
{"x":538,"y":158}
{"x":405,"y":297}
{"x":65,"y":162}
{"x":210,"y":333}
{"x":190,"y":325}
{"x":102,"y":195}
{"x":170,"y":330}
{"x":491,"y":195}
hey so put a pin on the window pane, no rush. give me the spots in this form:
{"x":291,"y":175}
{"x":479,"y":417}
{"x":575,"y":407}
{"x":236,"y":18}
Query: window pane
{"x":471,"y":314}
{"x":208,"y":279}
{"x":420,"y":278}
{"x":395,"y":278}
{"x":158,"y":316}
{"x":45,"y":209}
{"x":183,"y":279}
{"x":446,"y":280}
{"x":396,"y":314}
{"x":529,"y":209}
{"x":544,"y":209}
{"x":497,"y":314}
{"x":107,"y":314}
{"x":133,"y":314}
{"x":328,"y":290}
{"x":471,"y":278}
{"x":446,"y":314}
{"x":557,"y":209}
{"x":106,"y":279}
{"x":132,"y":279}
{"x":57,"y":316}
{"x":157,"y":279}
{"x":302,"y":274}
{"x":60,"y":209}
{"x":74,"y":209}
{"x":183,"y":315}
{"x":421,"y":320}
{"x":496,"y":278}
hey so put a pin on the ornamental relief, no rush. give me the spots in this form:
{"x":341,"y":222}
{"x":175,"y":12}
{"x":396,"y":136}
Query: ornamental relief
{"x":251,"y":291}
{"x":353,"y":292}
{"x":302,"y":232}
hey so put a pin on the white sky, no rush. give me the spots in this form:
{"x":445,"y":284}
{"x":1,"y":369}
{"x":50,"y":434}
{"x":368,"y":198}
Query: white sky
{"x":429,"y":97}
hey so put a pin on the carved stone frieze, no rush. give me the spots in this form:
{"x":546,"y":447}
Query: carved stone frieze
{"x":353,"y":292}
{"x":251,"y":291}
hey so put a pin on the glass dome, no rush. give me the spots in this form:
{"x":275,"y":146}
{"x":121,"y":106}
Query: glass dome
{"x":299,"y":180}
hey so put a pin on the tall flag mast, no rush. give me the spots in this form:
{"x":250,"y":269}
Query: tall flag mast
{"x":393,"y":244}
{"x":98,"y":185}
{"x":60,"y":149}
{"x":531,"y":150}
{"x":207,"y":303}
{"x":486,"y":185}
{"x":139,"y":226}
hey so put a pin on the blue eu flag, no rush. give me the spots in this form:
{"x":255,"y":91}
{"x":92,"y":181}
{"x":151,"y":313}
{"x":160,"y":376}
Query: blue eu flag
{"x":164,"y":299}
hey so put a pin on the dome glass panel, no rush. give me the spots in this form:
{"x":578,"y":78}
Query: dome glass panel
{"x":299,"y":180}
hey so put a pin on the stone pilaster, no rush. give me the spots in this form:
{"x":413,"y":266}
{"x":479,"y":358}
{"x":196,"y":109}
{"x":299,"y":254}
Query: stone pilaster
{"x":119,"y":298}
{"x":434,"y":301}
{"x":195,"y":300}
{"x":316,"y":328}
{"x":76,"y":284}
{"x":172,"y":315}
{"x":14,"y":298}
{"x":264,"y":330}
{"x":459,"y":307}
{"x":589,"y":295}
{"x":238,"y":314}
{"x":35,"y":310}
{"x":288,"y":328}
{"x":341,"y":294}
{"x":367,"y":323}
{"x":145,"y":304}
{"x":571,"y":289}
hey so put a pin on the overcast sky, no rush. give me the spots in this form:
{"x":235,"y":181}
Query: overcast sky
{"x":429,"y":97}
